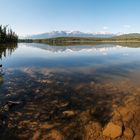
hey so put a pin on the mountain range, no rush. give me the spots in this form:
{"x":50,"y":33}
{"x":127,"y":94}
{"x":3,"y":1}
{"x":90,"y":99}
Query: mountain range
{"x":55,"y":34}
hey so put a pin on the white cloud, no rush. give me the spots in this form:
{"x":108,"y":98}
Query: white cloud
{"x":105,"y":28}
{"x":127,"y":26}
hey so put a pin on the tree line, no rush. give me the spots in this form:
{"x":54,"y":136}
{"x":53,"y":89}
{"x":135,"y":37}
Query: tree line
{"x":7,"y":35}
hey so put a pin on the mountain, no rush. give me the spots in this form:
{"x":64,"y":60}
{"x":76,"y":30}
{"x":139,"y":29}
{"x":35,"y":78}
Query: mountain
{"x":128,"y":36}
{"x":55,"y":34}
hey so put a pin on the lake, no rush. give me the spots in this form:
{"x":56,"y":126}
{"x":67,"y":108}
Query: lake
{"x":67,"y":91}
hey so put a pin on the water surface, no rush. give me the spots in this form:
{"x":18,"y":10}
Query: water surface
{"x":51,"y":81}
{"x":98,"y":62}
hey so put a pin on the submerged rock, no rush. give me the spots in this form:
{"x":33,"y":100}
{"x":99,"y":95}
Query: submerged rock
{"x":93,"y":131}
{"x":128,"y":133}
{"x":112,"y":130}
{"x":69,"y":113}
{"x":36,"y":135}
{"x":137,"y":137}
{"x":8,"y":106}
{"x":55,"y":135}
{"x":13,"y":102}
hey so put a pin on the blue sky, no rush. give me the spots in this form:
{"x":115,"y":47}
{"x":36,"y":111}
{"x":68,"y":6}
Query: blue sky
{"x":38,"y":16}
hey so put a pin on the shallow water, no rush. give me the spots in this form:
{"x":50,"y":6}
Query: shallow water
{"x":49,"y":81}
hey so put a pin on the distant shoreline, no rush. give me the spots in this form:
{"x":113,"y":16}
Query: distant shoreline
{"x":64,"y":41}
{"x":85,"y":40}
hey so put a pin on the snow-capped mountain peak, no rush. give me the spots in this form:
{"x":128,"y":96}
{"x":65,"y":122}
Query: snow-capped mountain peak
{"x":54,"y":34}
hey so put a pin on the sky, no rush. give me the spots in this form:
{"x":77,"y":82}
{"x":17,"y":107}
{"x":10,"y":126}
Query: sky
{"x":28,"y":17}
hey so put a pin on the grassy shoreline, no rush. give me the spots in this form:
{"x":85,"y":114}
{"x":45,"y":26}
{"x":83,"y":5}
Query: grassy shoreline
{"x":85,"y":40}
{"x":69,"y":41}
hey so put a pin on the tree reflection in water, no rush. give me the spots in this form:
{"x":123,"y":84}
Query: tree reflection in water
{"x":5,"y":51}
